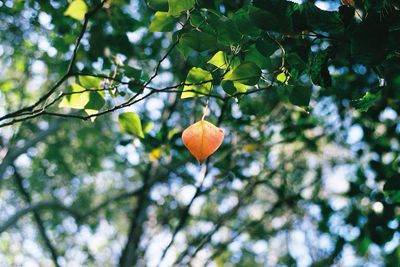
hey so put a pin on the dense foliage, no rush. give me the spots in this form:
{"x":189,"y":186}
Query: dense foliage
{"x":94,"y":96}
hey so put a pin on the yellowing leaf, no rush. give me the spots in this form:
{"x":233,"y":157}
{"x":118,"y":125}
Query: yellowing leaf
{"x":155,"y":154}
{"x":202,"y":139}
{"x":148,"y":127}
{"x":76,"y":9}
{"x":283,"y":78}
{"x":250,"y":147}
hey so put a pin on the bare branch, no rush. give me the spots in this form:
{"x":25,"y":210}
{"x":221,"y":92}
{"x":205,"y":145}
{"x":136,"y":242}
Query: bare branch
{"x":56,"y":205}
{"x":68,"y":72}
{"x":36,"y":207}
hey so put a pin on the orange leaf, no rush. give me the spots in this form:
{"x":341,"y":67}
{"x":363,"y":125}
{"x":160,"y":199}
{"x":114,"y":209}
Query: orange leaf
{"x":202,"y":139}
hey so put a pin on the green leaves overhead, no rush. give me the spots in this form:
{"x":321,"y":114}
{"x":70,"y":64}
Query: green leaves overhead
{"x":162,"y":22}
{"x":76,"y":9}
{"x":129,"y":123}
{"x":196,"y":81}
{"x":199,"y":41}
{"x":369,"y":40}
{"x":285,"y":16}
{"x":264,"y":19}
{"x":160,"y":5}
{"x":246,"y":73}
{"x":274,"y":15}
{"x":322,"y":20}
{"x":177,"y":6}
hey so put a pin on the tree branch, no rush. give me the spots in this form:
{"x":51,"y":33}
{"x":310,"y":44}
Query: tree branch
{"x":22,"y":111}
{"x":56,"y":205}
{"x":36,"y":207}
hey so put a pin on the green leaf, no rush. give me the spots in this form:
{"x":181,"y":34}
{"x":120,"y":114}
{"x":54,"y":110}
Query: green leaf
{"x":246,"y":73}
{"x":133,"y":73}
{"x":227,"y":32}
{"x":300,"y":95}
{"x":243,"y":23}
{"x":90,"y":82}
{"x":367,"y":101}
{"x":96,"y":101}
{"x":392,"y":188}
{"x":266,"y":46}
{"x":160,"y":5}
{"x":273,"y":15}
{"x":283,"y":77}
{"x":162,"y":22}
{"x":233,"y":88}
{"x":77,"y":100}
{"x":255,"y":56}
{"x":322,"y":20}
{"x":129,"y":123}
{"x":219,"y":60}
{"x":197,"y":75}
{"x":318,"y":67}
{"x":177,"y":6}
{"x":76,"y":9}
{"x":369,"y":41}
{"x":264,"y":19}
{"x":199,"y":41}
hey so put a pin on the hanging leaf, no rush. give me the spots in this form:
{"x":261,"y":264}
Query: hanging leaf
{"x":76,"y":9}
{"x":129,"y":122}
{"x":202,"y":139}
{"x":196,"y":78}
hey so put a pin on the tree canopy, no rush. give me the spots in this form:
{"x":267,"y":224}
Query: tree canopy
{"x":302,"y":98}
